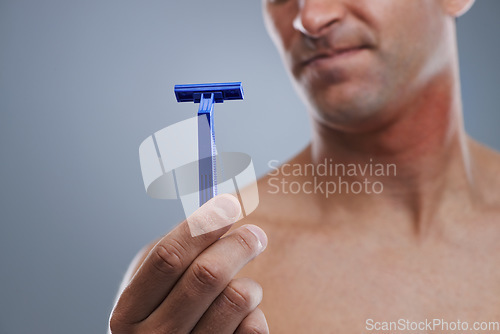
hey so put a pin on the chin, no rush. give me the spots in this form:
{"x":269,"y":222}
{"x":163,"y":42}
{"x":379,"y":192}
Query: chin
{"x":353,"y":114}
{"x":351,"y":122}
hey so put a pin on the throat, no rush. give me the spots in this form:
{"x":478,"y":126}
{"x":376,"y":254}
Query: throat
{"x":421,"y":159}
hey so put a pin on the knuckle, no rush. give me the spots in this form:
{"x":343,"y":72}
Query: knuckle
{"x":238,"y":300}
{"x":252,"y":329}
{"x":161,"y":328}
{"x":245,"y":241}
{"x":207,"y":276}
{"x":167,"y":258}
{"x":116,"y":325}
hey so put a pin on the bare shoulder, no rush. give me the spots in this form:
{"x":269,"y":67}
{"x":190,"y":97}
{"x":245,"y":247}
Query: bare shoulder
{"x":487,"y":167}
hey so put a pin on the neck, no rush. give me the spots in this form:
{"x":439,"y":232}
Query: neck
{"x":427,"y":145}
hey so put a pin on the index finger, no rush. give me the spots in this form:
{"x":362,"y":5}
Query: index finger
{"x":172,"y":255}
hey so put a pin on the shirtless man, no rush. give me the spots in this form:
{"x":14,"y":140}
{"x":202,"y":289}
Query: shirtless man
{"x":381,"y":82}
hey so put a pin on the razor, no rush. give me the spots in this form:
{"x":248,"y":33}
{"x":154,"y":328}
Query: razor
{"x":206,"y":95}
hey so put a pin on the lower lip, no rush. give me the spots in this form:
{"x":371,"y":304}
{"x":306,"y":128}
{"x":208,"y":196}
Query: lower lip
{"x":328,"y":60}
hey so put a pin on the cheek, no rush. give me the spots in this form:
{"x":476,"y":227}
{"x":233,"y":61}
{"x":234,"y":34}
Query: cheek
{"x":279,"y":23}
{"x":410,"y":31}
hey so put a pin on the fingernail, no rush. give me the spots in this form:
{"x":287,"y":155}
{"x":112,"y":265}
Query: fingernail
{"x":217,"y":213}
{"x":260,"y":234}
{"x":229,"y":206}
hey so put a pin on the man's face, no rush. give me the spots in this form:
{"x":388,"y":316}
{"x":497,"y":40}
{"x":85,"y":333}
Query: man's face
{"x":357,"y":62}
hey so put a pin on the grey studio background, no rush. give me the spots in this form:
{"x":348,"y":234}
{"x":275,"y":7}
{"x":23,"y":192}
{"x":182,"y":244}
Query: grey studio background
{"x":82,"y":83}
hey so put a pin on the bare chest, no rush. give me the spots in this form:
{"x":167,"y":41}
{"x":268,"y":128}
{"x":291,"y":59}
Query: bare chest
{"x":334,"y":285}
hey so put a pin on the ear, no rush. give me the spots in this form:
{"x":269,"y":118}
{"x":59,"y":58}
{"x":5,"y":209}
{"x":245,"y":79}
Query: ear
{"x":457,"y":8}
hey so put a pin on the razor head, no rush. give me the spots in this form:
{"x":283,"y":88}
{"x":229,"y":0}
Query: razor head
{"x":222,"y":92}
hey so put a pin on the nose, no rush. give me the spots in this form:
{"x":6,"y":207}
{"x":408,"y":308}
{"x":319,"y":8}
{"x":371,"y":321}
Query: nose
{"x":315,"y":17}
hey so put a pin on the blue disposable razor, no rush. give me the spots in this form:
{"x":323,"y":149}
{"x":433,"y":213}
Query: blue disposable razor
{"x":206,"y":95}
